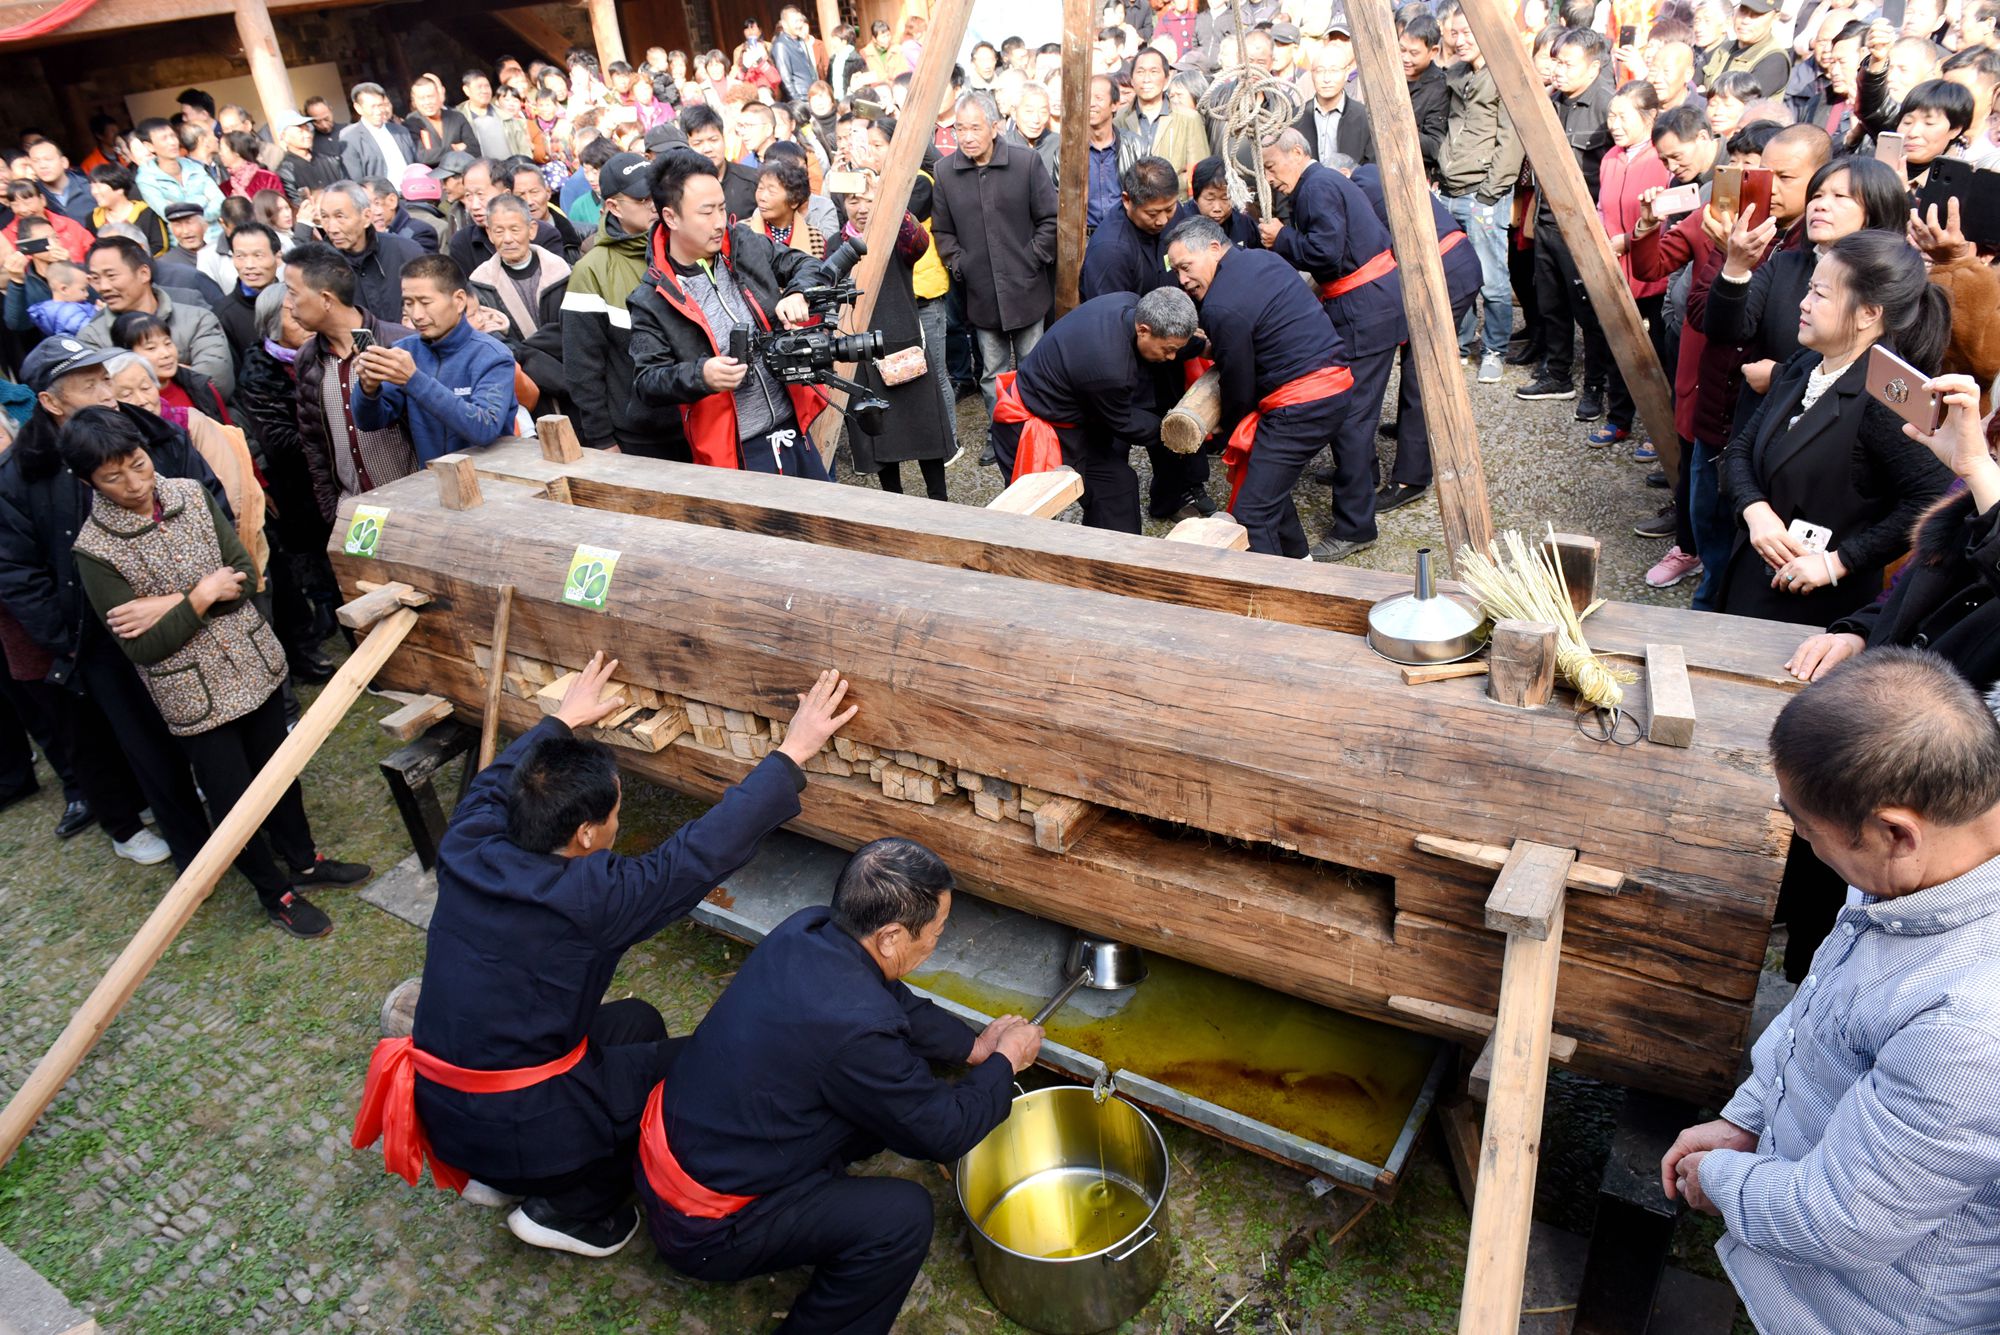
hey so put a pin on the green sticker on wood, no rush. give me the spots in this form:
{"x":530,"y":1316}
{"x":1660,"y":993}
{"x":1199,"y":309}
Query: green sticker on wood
{"x":364,"y":531}
{"x":588,"y":583}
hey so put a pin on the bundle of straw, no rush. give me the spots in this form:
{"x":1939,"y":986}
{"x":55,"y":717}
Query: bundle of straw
{"x":1516,"y":581}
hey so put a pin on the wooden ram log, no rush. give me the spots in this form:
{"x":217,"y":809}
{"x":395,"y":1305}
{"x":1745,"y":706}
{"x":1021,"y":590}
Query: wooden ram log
{"x":1194,"y":419}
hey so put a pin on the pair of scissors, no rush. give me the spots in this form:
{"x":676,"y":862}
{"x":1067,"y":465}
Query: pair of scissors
{"x":1608,"y":725}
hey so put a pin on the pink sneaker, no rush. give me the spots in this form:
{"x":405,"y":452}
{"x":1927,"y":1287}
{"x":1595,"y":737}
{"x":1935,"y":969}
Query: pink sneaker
{"x":1672,"y":568}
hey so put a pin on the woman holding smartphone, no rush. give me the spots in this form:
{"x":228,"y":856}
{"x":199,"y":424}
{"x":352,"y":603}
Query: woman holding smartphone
{"x":1823,"y":481}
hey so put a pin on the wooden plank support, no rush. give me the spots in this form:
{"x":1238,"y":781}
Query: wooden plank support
{"x":194,"y":885}
{"x":1577,"y":556}
{"x":1194,"y":419}
{"x":1669,"y":696}
{"x":1523,"y":659}
{"x":1458,"y":1125}
{"x":489,"y":719}
{"x":1474,"y":1024}
{"x":557,"y":436}
{"x":1423,"y":676}
{"x":1212,"y":531}
{"x":407,"y":596}
{"x":1582,"y":875}
{"x":363,"y":612}
{"x":1042,"y":495}
{"x":1061,"y":821}
{"x":1448,"y":414}
{"x":1072,"y":164}
{"x":415,"y":717}
{"x":457,"y":480}
{"x":663,"y":727}
{"x":1561,"y":183}
{"x":1528,"y":898}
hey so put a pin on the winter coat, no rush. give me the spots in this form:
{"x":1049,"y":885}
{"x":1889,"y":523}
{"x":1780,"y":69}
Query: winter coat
{"x":434,"y":138}
{"x":995,"y":228}
{"x":1625,"y":174}
{"x":916,"y":426}
{"x":267,"y":396}
{"x":378,"y":271}
{"x":460,"y":397}
{"x":597,"y":351}
{"x":361,"y":157}
{"x":533,"y":336}
{"x":1943,"y":600}
{"x":1481,"y":154}
{"x":316,"y":445}
{"x":197,"y":333}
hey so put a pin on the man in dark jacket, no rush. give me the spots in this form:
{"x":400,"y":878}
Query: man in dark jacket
{"x":526,"y":284}
{"x":435,"y":129}
{"x":994,"y":220}
{"x":1092,"y":381}
{"x":253,"y":251}
{"x":703,"y":128}
{"x":42,"y":508}
{"x":1335,"y":236}
{"x":597,"y":326}
{"x":816,"y":1056}
{"x":375,"y":144}
{"x":710,"y":279}
{"x":377,"y":257}
{"x":393,"y":216}
{"x":1418,"y":40}
{"x":1283,"y":382}
{"x":484,"y":179}
{"x":1583,"y":101}
{"x":301,"y":170}
{"x":792,"y":52}
{"x":534,"y":912}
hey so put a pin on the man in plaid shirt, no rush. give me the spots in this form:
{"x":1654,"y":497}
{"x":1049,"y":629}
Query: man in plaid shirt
{"x":1858,"y":1168}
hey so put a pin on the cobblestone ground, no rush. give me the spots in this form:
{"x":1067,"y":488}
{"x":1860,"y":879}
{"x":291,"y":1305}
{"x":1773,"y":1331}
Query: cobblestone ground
{"x":196,"y":1175}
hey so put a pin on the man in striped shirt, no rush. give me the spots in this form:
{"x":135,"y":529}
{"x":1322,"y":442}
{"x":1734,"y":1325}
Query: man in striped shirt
{"x":1858,"y":1167}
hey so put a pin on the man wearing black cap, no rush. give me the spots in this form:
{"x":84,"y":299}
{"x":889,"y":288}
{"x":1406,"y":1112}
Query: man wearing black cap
{"x":661,"y":137}
{"x":301,"y":169}
{"x":597,"y":329}
{"x":117,"y":731}
{"x":191,"y":262}
{"x":1755,"y":50}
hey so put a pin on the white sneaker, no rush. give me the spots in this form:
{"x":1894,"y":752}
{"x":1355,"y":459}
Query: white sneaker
{"x":145,"y":848}
{"x":1491,"y":367}
{"x":491,"y":1198}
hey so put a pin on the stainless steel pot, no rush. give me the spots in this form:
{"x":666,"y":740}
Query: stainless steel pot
{"x":1103,"y":966}
{"x":1067,"y":1200}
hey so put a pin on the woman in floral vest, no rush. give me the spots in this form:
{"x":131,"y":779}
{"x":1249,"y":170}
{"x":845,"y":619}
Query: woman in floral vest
{"x":164,"y":569}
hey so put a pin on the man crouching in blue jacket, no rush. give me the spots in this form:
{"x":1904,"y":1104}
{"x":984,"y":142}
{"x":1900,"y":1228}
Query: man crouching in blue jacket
{"x":450,"y":387}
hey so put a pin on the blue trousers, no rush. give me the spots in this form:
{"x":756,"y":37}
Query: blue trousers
{"x":1486,"y":228}
{"x":1714,"y":526}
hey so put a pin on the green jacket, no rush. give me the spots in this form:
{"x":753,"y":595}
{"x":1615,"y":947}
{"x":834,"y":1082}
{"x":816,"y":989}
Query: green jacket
{"x":597,"y":349}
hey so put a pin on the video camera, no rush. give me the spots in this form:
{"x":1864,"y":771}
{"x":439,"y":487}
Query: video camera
{"x":807,"y":356}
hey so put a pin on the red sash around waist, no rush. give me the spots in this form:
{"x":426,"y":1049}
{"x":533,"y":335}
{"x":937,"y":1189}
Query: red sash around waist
{"x":1039,"y":451}
{"x":1444,"y":246}
{"x":1382,"y":265}
{"x":1321,"y":384}
{"x":388,"y":1109}
{"x":668,"y":1179}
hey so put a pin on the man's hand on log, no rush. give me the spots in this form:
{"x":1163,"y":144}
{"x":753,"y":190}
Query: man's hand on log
{"x":583,"y":704}
{"x":819,"y":718}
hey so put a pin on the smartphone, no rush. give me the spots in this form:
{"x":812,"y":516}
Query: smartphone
{"x":39,"y":246}
{"x":364,"y":339}
{"x":1677,"y":200}
{"x":865,"y":109}
{"x":1889,"y":151}
{"x":1815,"y":538}
{"x":1755,"y":193}
{"x":739,"y":344}
{"x":1628,"y":35}
{"x":1896,"y":383}
{"x":1726,"y":198}
{"x":1977,"y":193}
{"x":846,"y":183}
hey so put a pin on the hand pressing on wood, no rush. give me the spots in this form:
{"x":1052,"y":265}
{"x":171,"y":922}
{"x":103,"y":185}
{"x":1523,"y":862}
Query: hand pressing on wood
{"x":819,"y":718}
{"x":585,"y":702}
{"x":128,"y":621}
{"x":1680,"y":1167}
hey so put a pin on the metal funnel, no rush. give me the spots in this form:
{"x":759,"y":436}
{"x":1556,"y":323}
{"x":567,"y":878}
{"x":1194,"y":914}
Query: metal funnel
{"x":1425,"y":626}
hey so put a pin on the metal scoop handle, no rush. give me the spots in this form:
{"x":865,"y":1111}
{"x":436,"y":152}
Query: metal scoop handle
{"x":1055,"y":1002}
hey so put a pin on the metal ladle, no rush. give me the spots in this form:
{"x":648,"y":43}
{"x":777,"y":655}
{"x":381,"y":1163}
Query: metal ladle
{"x":1102,"y":966}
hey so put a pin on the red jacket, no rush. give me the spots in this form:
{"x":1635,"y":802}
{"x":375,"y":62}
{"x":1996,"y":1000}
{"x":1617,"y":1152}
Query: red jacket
{"x":1624,"y":175}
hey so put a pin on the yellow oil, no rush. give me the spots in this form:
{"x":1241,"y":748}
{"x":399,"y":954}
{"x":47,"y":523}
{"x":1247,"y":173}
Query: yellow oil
{"x":1333,"y":1079}
{"x":1065,"y":1212}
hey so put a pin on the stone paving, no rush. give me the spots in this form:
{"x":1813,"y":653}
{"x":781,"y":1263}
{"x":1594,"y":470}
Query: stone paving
{"x":196,"y":1175}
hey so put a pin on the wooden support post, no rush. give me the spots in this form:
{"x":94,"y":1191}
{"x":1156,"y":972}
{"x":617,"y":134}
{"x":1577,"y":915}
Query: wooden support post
{"x":415,"y":717}
{"x":363,"y":612}
{"x":1527,"y":903}
{"x":1061,"y":821}
{"x":1669,"y":696}
{"x":496,"y":676}
{"x":193,"y":886}
{"x":267,"y":63}
{"x":557,"y":436}
{"x":1043,"y":495}
{"x":1577,"y":556}
{"x":458,"y":482}
{"x":829,"y":18}
{"x":1072,"y":166}
{"x":1524,"y":663}
{"x":1448,"y":415}
{"x":1561,"y":183}
{"x":604,"y":34}
{"x":929,"y":87}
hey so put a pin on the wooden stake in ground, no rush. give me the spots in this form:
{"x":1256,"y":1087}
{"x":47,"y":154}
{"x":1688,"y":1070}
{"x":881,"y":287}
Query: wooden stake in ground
{"x":80,"y":1035}
{"x":1448,"y":416}
{"x":496,"y":677}
{"x":1561,"y":183}
{"x":1073,"y":164}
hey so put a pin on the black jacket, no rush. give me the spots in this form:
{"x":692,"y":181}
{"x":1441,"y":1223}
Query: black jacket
{"x":739,"y":192}
{"x":177,"y":268}
{"x":267,"y":396}
{"x":1430,"y":98}
{"x":435,"y":138}
{"x":315,"y":445}
{"x":1944,"y":599}
{"x":411,"y":229}
{"x":1847,"y":466}
{"x":237,"y":314}
{"x":1585,"y":123}
{"x":378,"y":270}
{"x":1121,"y":258}
{"x":471,"y":248}
{"x":303,"y":174}
{"x":1462,"y":274}
{"x":1086,"y":371}
{"x":1333,"y":233}
{"x":995,"y":228}
{"x":597,"y":351}
{"x":1264,"y":328}
{"x":43,"y":506}
{"x":1761,"y":314}
{"x":1354,"y":136}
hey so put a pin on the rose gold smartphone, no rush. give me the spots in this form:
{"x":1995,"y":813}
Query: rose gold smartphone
{"x":1900,"y":386}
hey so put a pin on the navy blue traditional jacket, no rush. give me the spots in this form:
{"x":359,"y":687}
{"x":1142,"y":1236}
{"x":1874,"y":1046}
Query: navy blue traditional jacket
{"x":1264,"y":328}
{"x":1087,"y":371}
{"x":1462,"y":275}
{"x":1121,"y":258}
{"x":1332,"y":233}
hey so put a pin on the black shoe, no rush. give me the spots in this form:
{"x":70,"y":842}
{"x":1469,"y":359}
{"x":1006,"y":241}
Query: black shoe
{"x":76,"y":818}
{"x":1591,"y":406}
{"x":1395,"y":495}
{"x":1339,"y":549}
{"x":326,"y":872}
{"x":296,"y":914}
{"x":1657,"y":478}
{"x":987,"y":458}
{"x":533,"y":1222}
{"x":1546,"y":387}
{"x":13,"y":795}
{"x":1387,"y":430}
{"x":965,"y":389}
{"x":1188,"y":505}
{"x":1526,"y":355}
{"x":1324,"y":474}
{"x":311,"y":668}
{"x":1661,"y":525}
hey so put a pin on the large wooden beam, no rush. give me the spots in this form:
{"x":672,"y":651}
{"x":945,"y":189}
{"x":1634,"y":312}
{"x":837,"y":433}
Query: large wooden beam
{"x":1448,"y":415}
{"x":1561,"y":183}
{"x":267,"y":64}
{"x":1073,"y":169}
{"x":604,"y":32}
{"x":536,"y":31}
{"x":111,"y":16}
{"x":929,"y":87}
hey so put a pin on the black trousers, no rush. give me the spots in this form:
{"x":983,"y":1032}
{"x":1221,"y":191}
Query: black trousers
{"x":1110,"y":484}
{"x":864,"y":1237}
{"x":1286,"y":441}
{"x":1176,"y":478}
{"x":1623,"y":412}
{"x":1413,"y":440}
{"x":124,"y":721}
{"x":601,"y":1186}
{"x":891,"y":477}
{"x":226,"y":759}
{"x":1564,"y":309}
{"x":1810,"y":898}
{"x":1521,"y":273}
{"x":1354,"y":447}
{"x":25,"y":714}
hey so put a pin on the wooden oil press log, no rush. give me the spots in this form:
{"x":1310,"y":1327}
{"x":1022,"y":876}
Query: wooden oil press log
{"x":1263,"y":778}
